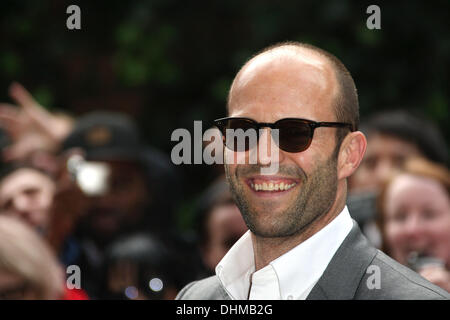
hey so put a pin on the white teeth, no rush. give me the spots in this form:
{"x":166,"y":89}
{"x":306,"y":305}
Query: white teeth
{"x":272,"y":186}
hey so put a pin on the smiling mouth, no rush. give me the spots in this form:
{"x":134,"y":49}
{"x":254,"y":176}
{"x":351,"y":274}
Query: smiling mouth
{"x":271,"y":186}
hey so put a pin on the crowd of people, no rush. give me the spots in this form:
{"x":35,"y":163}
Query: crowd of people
{"x":98,"y":197}
{"x":88,"y":192}
{"x":400,"y":194}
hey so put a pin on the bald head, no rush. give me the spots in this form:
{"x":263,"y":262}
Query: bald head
{"x":291,"y":81}
{"x":314,"y":72}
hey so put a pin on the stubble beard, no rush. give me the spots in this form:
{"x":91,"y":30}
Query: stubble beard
{"x":315,"y":196}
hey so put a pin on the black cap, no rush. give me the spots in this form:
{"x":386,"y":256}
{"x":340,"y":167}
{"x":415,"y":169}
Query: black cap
{"x":105,"y":135}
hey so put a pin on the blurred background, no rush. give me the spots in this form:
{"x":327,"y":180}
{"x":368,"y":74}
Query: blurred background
{"x":166,"y":63}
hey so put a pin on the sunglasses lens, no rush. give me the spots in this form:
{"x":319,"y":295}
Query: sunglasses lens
{"x":294,"y":135}
{"x":240,"y":134}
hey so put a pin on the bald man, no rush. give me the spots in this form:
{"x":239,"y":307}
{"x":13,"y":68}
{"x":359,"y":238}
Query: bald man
{"x":302,"y":242}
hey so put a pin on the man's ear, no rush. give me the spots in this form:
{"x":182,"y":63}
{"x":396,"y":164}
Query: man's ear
{"x":351,"y":153}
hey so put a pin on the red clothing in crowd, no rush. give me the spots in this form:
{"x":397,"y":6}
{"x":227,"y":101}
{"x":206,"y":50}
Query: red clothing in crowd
{"x":74,"y":294}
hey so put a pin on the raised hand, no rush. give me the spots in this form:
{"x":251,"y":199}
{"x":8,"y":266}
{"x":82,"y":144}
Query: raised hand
{"x":30,"y":126}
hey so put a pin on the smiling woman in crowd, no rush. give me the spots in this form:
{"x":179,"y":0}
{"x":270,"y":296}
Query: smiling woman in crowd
{"x":415,"y":219}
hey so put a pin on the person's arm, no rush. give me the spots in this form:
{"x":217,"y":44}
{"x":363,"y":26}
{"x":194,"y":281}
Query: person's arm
{"x":30,"y":126}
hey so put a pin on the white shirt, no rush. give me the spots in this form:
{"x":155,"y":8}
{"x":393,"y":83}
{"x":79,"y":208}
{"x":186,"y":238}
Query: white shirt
{"x":290,"y":276}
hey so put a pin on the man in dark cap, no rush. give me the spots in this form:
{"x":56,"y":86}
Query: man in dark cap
{"x":110,"y":173}
{"x":122,"y":183}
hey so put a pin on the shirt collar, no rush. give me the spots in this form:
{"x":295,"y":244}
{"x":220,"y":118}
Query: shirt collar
{"x":236,"y":267}
{"x":301,"y":267}
{"x":297,"y":270}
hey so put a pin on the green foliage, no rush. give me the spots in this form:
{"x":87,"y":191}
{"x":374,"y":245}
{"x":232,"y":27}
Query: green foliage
{"x":10,"y":64}
{"x":44,"y":96}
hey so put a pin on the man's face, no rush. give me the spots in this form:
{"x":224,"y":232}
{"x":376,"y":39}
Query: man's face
{"x":122,"y":206}
{"x":269,"y":90}
{"x":27,"y":194}
{"x":385,"y":155}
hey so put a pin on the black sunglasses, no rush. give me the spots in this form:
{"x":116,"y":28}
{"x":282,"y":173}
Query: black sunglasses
{"x":295,"y":135}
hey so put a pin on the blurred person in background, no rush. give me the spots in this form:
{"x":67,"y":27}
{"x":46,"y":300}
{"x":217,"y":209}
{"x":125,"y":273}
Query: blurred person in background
{"x":28,"y":268}
{"x":34,"y":134}
{"x":220,"y":224}
{"x":141,"y":267}
{"x":27,"y":193}
{"x":392,"y":138}
{"x":123,"y":186}
{"x":110,"y":173}
{"x":414,"y":219}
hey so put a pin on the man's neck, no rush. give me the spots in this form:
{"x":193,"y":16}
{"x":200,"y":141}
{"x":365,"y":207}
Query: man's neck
{"x":268,"y":249}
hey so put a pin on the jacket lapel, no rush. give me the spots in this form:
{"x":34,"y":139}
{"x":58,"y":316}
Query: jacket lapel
{"x":341,"y":278}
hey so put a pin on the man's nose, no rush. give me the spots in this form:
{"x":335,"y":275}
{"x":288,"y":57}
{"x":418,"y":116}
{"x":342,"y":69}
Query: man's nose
{"x":268,"y":150}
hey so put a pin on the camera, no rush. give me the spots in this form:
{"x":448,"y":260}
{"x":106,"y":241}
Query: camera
{"x":91,"y":177}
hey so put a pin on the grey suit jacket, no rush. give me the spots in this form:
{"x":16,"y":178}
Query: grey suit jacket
{"x":349,"y":275}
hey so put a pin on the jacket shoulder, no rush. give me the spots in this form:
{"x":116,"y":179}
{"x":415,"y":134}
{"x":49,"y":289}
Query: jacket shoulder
{"x":206,"y":289}
{"x":396,"y":282}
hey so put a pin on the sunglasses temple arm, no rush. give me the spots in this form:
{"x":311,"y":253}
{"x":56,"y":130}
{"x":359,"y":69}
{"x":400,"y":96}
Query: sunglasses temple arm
{"x":335,"y":124}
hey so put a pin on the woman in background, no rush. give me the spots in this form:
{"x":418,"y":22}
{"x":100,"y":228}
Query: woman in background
{"x":414,"y":219}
